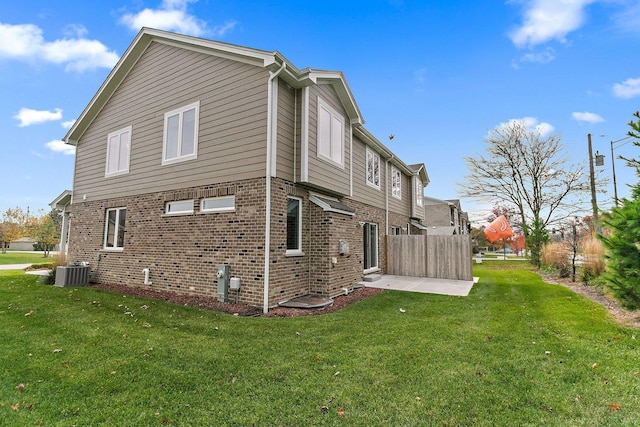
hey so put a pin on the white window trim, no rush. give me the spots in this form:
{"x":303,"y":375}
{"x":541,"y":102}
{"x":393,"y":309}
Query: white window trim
{"x":298,"y":251}
{"x":418,"y":190}
{"x":115,"y":230}
{"x":180,"y":111}
{"x":217,"y":210}
{"x":168,"y":210}
{"x":334,"y":114}
{"x":366,"y":169}
{"x":125,"y":170}
{"x":395,"y":172}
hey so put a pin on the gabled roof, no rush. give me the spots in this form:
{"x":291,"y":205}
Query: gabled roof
{"x":272,"y":61}
{"x":62,"y":200}
{"x":421,"y":170}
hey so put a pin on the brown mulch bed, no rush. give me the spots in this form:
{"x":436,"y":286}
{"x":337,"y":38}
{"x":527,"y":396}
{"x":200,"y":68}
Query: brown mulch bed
{"x":619,"y":313}
{"x":211,"y":303}
{"x":623,"y":316}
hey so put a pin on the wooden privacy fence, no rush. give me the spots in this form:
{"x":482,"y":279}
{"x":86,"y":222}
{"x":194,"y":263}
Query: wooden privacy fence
{"x":442,"y":257}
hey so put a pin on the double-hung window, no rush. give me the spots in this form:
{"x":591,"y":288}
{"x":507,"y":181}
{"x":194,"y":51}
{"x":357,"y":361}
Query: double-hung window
{"x":330,"y":137}
{"x":294,"y":226}
{"x":181,"y":134}
{"x":118,"y":152}
{"x":396,"y":183}
{"x":419,"y":192}
{"x":373,"y":169}
{"x":114,"y":229}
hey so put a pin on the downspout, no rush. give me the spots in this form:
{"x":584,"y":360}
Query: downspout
{"x":267,"y":226}
{"x":295,"y":134}
{"x":386,"y":196}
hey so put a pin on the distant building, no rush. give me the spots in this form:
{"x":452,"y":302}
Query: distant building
{"x":445,"y":217}
{"x":23,"y":244}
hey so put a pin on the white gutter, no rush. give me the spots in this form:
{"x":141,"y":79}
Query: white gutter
{"x":271,"y":129}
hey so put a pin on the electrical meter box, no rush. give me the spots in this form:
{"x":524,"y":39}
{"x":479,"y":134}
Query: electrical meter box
{"x":223,"y":276}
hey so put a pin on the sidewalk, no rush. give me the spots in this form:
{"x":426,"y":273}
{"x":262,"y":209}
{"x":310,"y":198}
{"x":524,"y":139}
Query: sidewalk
{"x":14,"y":266}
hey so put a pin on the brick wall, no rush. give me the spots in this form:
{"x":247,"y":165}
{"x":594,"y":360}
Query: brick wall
{"x":183,"y":252}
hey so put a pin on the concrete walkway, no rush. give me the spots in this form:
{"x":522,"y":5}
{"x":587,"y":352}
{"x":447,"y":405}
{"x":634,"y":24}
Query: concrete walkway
{"x":14,"y":266}
{"x":43,"y":272}
{"x":424,"y":285}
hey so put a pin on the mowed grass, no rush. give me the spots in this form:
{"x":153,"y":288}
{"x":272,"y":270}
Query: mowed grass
{"x":12,"y":257}
{"x":516,"y":351}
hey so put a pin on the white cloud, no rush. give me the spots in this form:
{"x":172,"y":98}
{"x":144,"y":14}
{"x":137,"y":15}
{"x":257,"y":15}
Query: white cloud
{"x":628,"y":89}
{"x":587,"y":117}
{"x":531,"y":124}
{"x":67,"y":124}
{"x":172,"y":15}
{"x":539,"y":57}
{"x":75,"y":30}
{"x":221,"y":30}
{"x":60,"y":147}
{"x":30,"y":117}
{"x":628,"y":18}
{"x":36,"y":154}
{"x":25,"y":42}
{"x":546,"y":20}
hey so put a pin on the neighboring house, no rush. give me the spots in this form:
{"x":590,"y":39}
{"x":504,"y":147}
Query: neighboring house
{"x":195,"y":153}
{"x":445,"y":217}
{"x":22,"y":244}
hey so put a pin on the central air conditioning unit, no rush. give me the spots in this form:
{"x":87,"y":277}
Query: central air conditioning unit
{"x":72,"y":275}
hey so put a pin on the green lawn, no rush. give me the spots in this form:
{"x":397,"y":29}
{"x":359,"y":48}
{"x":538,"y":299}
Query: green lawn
{"x":12,"y":257}
{"x":516,"y":351}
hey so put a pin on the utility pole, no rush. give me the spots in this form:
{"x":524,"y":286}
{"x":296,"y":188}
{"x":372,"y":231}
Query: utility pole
{"x":594,"y":205}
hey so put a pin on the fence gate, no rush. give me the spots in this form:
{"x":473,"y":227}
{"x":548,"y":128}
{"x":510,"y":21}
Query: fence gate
{"x":442,"y":257}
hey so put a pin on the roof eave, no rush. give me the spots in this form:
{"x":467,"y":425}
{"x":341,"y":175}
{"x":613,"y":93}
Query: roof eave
{"x":269,"y":60}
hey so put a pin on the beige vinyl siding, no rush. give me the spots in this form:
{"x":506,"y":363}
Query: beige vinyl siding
{"x":286,"y":127}
{"x":361,"y":191}
{"x":403,"y":206}
{"x":232,"y":129}
{"x":321,"y":172}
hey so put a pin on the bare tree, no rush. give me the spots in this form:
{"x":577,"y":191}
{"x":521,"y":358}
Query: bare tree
{"x":530,"y":172}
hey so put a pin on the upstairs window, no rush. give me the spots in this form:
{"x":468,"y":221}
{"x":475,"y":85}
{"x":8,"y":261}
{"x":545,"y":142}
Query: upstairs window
{"x":181,"y":134}
{"x":419,"y":192}
{"x":330,"y":134}
{"x":118,"y":151}
{"x":114,"y":229}
{"x":373,"y":169}
{"x":396,"y":183}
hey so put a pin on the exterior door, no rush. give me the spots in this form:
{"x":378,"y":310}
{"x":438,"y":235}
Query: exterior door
{"x":370,"y":241}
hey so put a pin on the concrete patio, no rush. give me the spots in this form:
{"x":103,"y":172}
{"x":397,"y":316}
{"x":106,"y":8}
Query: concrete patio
{"x":424,"y":285}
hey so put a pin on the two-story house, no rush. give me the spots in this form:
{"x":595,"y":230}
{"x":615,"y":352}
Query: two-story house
{"x":195,"y":153}
{"x":445,"y":217}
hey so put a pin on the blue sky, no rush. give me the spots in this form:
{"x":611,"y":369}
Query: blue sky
{"x":439,"y":75}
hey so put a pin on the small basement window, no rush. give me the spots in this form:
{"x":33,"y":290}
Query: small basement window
{"x":180,"y":207}
{"x":218,"y":204}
